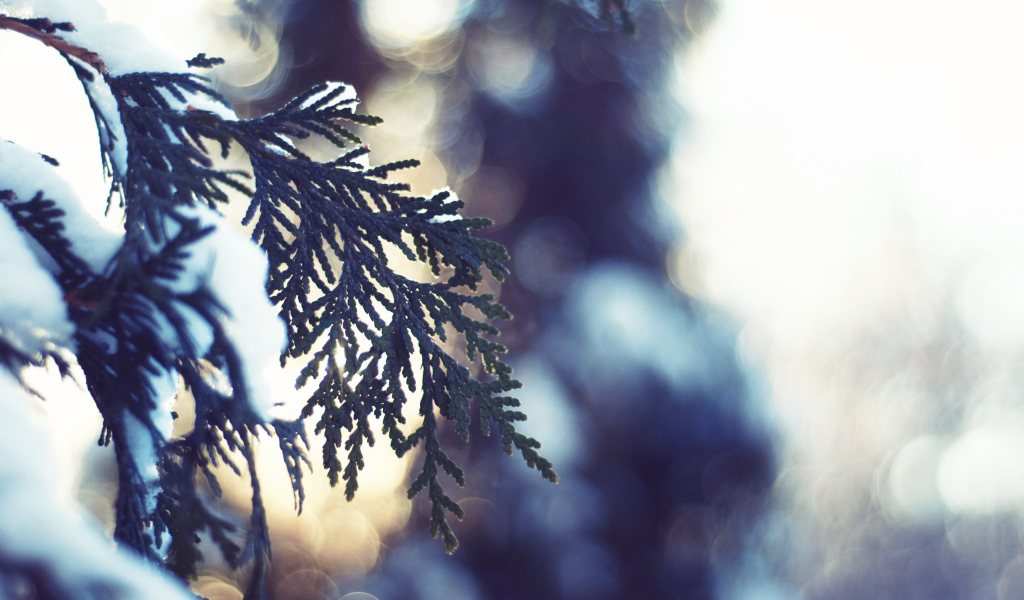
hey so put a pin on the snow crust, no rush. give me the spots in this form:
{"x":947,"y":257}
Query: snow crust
{"x":40,"y":531}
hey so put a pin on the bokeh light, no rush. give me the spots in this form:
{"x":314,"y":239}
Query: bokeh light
{"x":851,"y":190}
{"x":401,"y":23}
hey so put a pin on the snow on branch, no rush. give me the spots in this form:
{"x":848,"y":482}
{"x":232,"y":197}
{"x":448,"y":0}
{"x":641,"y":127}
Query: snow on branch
{"x":182,"y":299}
{"x":52,"y":546}
{"x":33,"y":319}
{"x":42,"y":30}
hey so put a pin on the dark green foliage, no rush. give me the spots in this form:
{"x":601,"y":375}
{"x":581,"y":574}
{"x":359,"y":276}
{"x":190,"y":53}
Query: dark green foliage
{"x":40,"y":218}
{"x":370,"y":338}
{"x":202,"y":62}
{"x":325,"y":228}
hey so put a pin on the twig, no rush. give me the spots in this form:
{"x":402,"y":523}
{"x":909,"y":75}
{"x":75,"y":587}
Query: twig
{"x":85,"y":55}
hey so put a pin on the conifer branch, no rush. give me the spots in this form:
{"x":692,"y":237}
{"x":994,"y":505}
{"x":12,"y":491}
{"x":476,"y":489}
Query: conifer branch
{"x":371,"y":339}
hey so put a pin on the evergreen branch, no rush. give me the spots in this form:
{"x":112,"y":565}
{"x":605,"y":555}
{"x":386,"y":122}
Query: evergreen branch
{"x":325,"y":227}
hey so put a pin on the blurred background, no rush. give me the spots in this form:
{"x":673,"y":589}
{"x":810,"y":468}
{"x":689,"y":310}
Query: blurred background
{"x":767,"y":274}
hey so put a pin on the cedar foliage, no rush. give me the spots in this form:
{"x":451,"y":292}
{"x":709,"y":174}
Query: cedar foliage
{"x":373,"y":339}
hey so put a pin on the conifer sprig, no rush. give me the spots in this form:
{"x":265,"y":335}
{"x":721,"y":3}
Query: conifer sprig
{"x":357,"y":324}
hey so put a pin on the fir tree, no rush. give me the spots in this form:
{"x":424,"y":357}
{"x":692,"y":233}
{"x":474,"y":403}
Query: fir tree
{"x":181,"y":298}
